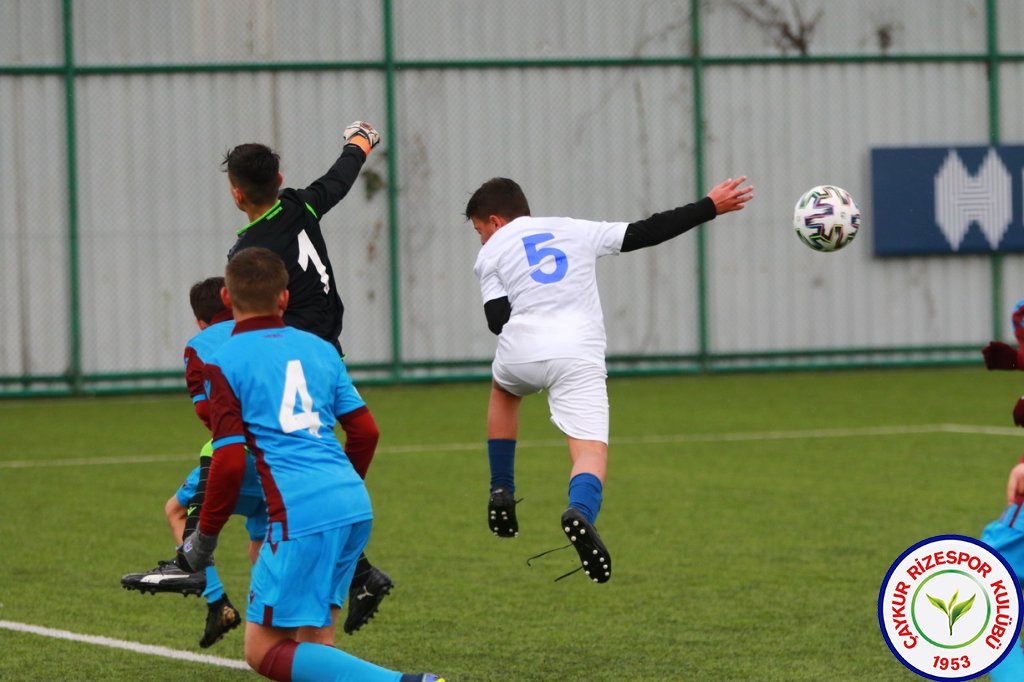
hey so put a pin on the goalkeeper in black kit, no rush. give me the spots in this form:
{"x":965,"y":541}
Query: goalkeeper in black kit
{"x":287,"y":221}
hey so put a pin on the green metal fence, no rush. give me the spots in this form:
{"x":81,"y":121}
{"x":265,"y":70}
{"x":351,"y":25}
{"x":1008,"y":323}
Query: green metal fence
{"x":76,"y":381}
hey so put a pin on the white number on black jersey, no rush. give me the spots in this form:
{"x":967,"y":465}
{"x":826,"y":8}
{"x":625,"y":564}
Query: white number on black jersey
{"x":308,"y":253}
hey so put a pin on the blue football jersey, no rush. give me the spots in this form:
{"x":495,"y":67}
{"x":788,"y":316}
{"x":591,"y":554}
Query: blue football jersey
{"x":279,"y":389}
{"x":198,"y":349}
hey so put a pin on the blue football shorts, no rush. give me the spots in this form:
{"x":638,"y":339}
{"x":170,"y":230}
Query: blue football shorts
{"x":250,"y":499}
{"x":296,"y":581}
{"x":1006,"y":536}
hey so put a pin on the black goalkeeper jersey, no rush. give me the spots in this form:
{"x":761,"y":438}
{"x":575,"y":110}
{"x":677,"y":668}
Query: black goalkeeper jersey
{"x":291,"y":229}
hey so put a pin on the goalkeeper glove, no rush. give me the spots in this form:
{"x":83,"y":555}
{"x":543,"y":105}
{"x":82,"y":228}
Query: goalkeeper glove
{"x":196,"y":552}
{"x":369,"y":137}
{"x":999,"y":355}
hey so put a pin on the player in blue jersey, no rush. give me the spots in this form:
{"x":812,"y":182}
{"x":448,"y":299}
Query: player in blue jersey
{"x":279,"y":390}
{"x":1006,"y":536}
{"x":999,"y":355}
{"x":215,"y":324}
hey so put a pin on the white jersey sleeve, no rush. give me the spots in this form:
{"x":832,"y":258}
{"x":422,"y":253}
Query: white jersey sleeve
{"x":490,"y":281}
{"x":606,"y":238}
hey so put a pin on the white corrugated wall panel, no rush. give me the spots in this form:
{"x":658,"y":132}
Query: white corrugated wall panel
{"x":156,"y":214}
{"x":30,"y":32}
{"x":1010,"y":26}
{"x":790,"y":128}
{"x":600,"y":144}
{"x":817,"y":27}
{"x":540,"y":29}
{"x":34,"y":308}
{"x":1011,"y":128}
{"x":189,"y":31}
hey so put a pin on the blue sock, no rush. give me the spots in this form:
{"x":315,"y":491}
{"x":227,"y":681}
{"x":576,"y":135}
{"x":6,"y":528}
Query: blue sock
{"x":214,"y":587}
{"x":502,"y":453}
{"x":318,"y":662}
{"x":585,"y":495}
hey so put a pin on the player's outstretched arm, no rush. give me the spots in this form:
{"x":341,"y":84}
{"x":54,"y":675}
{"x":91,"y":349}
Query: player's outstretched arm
{"x":724,"y":198}
{"x":728,"y":196}
{"x":1015,"y":485}
{"x":326,"y":191}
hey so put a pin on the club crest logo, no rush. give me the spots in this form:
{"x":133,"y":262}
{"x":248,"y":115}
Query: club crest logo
{"x":949,"y":608}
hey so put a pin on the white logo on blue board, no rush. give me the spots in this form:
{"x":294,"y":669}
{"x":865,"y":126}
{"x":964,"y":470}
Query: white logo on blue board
{"x":984,"y":198}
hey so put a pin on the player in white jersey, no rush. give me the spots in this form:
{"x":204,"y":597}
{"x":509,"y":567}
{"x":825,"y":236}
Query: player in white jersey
{"x":539,"y":286}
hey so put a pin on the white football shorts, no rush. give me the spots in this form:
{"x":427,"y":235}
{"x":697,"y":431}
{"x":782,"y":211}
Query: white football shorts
{"x":577,"y":392}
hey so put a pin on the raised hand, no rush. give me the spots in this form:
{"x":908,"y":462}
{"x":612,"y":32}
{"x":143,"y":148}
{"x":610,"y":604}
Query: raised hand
{"x":729,"y":196}
{"x":367,"y":135}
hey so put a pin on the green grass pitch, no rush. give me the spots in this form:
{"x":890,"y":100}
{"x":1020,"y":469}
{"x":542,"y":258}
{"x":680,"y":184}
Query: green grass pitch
{"x":751,"y":519}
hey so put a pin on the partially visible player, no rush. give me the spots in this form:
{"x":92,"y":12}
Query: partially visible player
{"x":278,"y":390}
{"x":287,"y":221}
{"x":182,"y":509}
{"x":538,"y":281}
{"x":999,"y":355}
{"x":1006,"y":536}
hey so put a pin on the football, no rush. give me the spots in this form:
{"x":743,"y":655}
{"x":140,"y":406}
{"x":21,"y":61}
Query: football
{"x":826,"y":218}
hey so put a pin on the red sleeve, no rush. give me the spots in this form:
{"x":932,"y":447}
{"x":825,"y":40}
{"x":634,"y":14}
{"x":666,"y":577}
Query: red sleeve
{"x":196,"y":388}
{"x":203,"y":411}
{"x":228,"y":467}
{"x":226,"y":472}
{"x":361,"y":436}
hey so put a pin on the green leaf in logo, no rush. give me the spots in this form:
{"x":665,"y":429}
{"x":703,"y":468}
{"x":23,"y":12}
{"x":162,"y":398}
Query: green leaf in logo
{"x":938,"y":603}
{"x":959,"y":610}
{"x":954,"y":611}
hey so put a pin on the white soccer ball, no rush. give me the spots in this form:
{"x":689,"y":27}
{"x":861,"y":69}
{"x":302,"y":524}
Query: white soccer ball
{"x":825,"y":218}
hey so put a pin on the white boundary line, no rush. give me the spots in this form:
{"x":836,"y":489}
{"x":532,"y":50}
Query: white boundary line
{"x":737,"y":436}
{"x":135,"y":647}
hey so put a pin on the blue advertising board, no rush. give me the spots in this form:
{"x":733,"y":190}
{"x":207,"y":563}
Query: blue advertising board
{"x":947,"y":200}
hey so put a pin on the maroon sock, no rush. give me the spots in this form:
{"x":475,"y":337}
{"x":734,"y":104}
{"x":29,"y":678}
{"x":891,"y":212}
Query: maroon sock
{"x":277,"y":663}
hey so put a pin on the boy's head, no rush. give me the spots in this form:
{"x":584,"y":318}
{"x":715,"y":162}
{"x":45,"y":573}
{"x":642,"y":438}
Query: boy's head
{"x":254,"y":173}
{"x":256,"y":282}
{"x":495,"y":203}
{"x":205,"y":299}
{"x":1018,"y":322}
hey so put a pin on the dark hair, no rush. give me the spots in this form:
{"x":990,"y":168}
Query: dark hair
{"x":253,"y":168}
{"x":498,"y":196}
{"x":205,"y":298}
{"x":255,"y":277}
